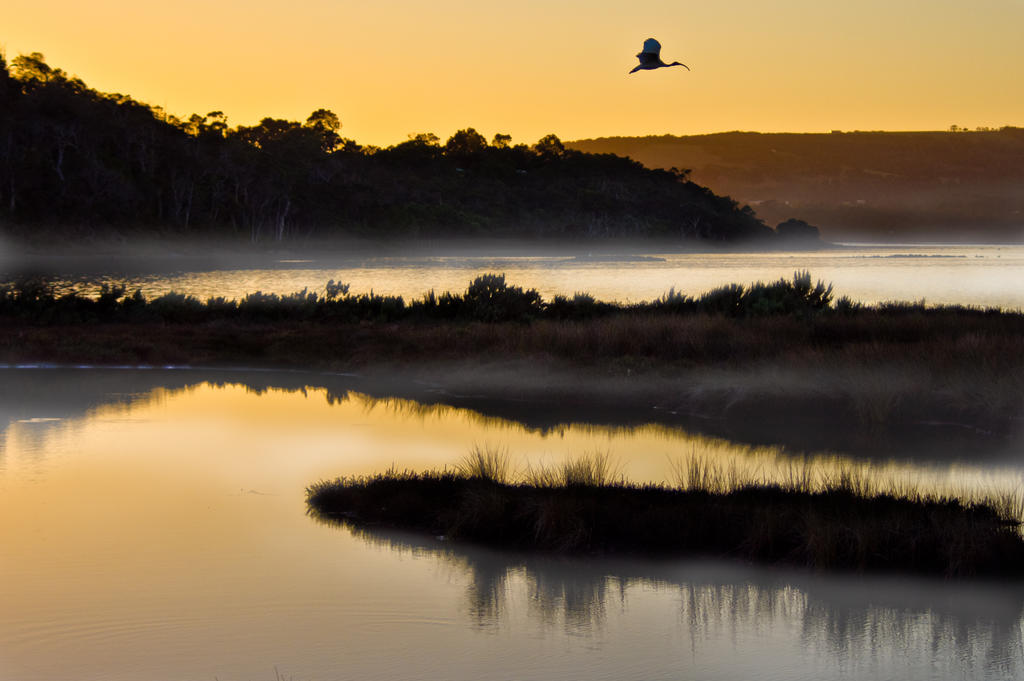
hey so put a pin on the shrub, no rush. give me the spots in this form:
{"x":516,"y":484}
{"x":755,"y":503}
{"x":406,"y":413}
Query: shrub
{"x":784,"y":297}
{"x":333,"y":291}
{"x":580,"y":306}
{"x":847,"y":305}
{"x":177,"y":307}
{"x":445,"y":306}
{"x":373,"y":306}
{"x":673,"y":302}
{"x":725,"y":300}
{"x":490,"y":299}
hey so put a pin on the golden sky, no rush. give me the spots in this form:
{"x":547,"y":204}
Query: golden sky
{"x":390,"y":68}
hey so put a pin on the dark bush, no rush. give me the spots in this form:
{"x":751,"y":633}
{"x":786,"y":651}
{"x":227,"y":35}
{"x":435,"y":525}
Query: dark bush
{"x":580,"y":306}
{"x":783,"y":297}
{"x":490,"y":299}
{"x":725,"y":300}
{"x":177,"y":307}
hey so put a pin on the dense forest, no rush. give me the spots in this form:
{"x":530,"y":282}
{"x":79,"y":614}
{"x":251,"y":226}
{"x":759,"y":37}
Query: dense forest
{"x":77,"y":164}
{"x":957,"y":183}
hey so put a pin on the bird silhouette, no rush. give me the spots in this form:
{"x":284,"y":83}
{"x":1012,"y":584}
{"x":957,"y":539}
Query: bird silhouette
{"x":650,"y":57}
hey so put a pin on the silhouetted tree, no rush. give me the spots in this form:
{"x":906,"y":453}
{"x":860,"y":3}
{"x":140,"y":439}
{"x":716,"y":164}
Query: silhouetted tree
{"x":550,"y":146}
{"x":33,"y":69}
{"x":326,"y":124}
{"x":426,"y":138}
{"x":268,"y":131}
{"x":217,"y":123}
{"x":465,"y":144}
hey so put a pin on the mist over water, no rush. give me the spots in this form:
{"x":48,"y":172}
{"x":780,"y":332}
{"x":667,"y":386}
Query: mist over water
{"x":980,"y":275}
{"x":154,"y":527}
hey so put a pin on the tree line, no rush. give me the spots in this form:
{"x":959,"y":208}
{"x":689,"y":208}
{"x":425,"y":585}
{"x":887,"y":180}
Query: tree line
{"x":77,"y":163}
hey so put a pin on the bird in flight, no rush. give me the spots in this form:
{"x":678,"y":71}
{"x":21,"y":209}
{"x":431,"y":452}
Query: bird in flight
{"x":650,"y":57}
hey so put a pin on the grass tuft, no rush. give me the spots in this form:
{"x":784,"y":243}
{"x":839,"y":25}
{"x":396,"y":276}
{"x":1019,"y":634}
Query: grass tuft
{"x":483,"y":463}
{"x":592,"y":470}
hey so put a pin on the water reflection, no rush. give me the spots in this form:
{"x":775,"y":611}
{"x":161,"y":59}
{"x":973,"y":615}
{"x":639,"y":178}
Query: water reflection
{"x":134,"y":549}
{"x":851,"y":626}
{"x":773,"y":426}
{"x":376,"y":422}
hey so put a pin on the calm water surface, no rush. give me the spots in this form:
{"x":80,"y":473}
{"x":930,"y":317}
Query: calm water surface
{"x":154,"y":527}
{"x":982,"y":275}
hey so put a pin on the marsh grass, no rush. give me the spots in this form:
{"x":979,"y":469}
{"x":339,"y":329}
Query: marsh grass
{"x":824,"y":518}
{"x":699,"y":473}
{"x":723,"y":474}
{"x":592,"y":469}
{"x":486,"y":463}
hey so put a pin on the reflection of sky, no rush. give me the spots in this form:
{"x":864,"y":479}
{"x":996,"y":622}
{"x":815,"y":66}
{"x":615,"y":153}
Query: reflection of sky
{"x":973,"y":275}
{"x":364,"y":434}
{"x":29,"y":436}
{"x":166,"y":536}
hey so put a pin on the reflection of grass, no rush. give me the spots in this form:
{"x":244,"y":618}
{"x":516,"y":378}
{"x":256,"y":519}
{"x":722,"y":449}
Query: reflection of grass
{"x":841,"y":521}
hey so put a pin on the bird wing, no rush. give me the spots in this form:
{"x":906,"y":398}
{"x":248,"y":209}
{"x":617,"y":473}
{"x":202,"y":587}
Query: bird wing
{"x":648,"y":58}
{"x":651,"y":46}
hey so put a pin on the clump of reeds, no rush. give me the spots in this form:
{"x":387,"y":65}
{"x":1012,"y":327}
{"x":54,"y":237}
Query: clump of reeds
{"x":701,"y":474}
{"x":837,"y":520}
{"x":484,"y":463}
{"x":594,"y":469}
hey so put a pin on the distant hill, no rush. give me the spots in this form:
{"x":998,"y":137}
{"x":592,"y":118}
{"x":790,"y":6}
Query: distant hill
{"x":952,"y":185}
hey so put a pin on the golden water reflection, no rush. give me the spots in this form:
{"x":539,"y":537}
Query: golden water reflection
{"x":331,"y":432}
{"x":154,"y":526}
{"x":670,"y":455}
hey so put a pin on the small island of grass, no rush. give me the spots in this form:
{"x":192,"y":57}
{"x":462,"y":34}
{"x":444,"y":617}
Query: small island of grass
{"x":580,"y":508}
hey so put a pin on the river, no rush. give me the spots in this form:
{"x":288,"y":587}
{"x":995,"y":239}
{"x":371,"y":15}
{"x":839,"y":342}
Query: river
{"x":154,"y":527}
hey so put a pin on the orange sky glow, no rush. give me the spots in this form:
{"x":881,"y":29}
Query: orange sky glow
{"x":398,"y":67}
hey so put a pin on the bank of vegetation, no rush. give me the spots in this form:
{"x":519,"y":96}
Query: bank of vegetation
{"x":843,"y":524}
{"x":488,"y":298}
{"x":778,"y":350}
{"x":78,"y":165}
